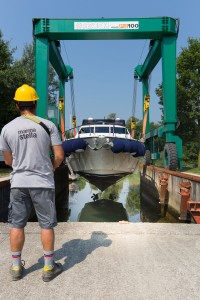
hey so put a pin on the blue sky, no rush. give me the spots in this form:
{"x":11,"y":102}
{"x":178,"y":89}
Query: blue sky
{"x":103,"y":70}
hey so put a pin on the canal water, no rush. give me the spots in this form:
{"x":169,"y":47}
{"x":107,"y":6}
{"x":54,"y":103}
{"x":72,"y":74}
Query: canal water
{"x":120,"y":202}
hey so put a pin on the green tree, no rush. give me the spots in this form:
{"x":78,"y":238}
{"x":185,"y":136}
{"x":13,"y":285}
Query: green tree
{"x":14,"y":73}
{"x":111,"y":116}
{"x":188,"y":92}
{"x":139,"y":126}
{"x":27,"y":66}
{"x":113,"y":190}
{"x":9,"y":80}
{"x":81,"y":183}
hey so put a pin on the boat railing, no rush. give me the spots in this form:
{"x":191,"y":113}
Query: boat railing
{"x":72,"y":132}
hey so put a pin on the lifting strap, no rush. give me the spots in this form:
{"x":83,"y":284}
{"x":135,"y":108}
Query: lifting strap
{"x":146,"y":109}
{"x":73,"y":105}
{"x":36,"y":120}
{"x":62,"y":122}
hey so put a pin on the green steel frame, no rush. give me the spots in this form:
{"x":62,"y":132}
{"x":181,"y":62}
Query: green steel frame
{"x":162,"y":31}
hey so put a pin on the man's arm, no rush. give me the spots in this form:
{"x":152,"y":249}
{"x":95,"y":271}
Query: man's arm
{"x":58,"y":155}
{"x":7,"y":155}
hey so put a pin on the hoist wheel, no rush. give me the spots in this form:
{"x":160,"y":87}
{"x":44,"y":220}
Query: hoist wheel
{"x":147,"y":158}
{"x":170,"y":157}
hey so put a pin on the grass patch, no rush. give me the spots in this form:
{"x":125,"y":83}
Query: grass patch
{"x":5,"y":171}
{"x":194,"y":170}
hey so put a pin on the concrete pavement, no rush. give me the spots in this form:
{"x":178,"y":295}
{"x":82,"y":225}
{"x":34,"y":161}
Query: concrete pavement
{"x":109,"y":261}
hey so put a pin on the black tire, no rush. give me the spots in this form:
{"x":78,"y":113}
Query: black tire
{"x":170,"y":157}
{"x":147,"y":158}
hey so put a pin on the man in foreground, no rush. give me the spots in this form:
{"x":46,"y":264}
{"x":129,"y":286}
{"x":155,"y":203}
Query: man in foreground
{"x":26,"y":142}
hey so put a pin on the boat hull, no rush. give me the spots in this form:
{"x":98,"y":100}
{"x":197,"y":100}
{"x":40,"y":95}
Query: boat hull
{"x":101,"y":166}
{"x":102,"y":182}
{"x":103,"y":162}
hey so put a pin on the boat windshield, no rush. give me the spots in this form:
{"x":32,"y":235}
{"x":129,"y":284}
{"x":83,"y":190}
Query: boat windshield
{"x":89,"y":129}
{"x":119,"y":130}
{"x":101,"y":129}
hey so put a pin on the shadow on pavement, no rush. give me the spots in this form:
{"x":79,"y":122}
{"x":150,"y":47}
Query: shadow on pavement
{"x":75,"y":251}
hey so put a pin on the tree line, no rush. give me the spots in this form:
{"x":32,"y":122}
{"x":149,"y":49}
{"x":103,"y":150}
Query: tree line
{"x":14,"y":73}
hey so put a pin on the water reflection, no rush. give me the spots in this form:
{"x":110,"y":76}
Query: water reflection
{"x":103,"y":210}
{"x":118,"y":202}
{"x":122,"y":201}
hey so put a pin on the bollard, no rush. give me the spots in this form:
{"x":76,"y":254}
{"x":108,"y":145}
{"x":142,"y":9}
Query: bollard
{"x":185,"y":188}
{"x":194,"y":208}
{"x":163,"y":193}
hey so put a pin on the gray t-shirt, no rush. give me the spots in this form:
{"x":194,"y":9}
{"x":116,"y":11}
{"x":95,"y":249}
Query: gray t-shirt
{"x":30,"y":146}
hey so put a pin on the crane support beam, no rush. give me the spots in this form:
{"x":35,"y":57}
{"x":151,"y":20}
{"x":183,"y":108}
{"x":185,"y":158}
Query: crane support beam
{"x":150,"y":62}
{"x":57,"y":61}
{"x":104,"y":29}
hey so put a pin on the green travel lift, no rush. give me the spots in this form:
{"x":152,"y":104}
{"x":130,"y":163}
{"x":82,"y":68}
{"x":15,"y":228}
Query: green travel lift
{"x":162,"y":33}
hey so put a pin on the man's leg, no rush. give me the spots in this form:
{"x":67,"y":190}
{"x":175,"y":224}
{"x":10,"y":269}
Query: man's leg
{"x":47,"y":238}
{"x":51,"y":269}
{"x":44,"y":203}
{"x":46,"y":214}
{"x":17,"y":238}
{"x":19,"y":211}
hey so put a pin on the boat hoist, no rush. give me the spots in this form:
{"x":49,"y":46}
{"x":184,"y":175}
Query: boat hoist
{"x":162,"y":33}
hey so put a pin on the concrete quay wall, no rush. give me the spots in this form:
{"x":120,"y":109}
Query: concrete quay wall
{"x":61,"y":193}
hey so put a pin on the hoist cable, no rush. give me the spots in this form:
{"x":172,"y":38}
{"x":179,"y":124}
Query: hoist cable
{"x":142,"y":52}
{"x":66,"y":53}
{"x":71,"y":90}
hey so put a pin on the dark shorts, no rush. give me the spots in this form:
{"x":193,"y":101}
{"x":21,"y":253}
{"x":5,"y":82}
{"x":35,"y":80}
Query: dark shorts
{"x":21,"y":205}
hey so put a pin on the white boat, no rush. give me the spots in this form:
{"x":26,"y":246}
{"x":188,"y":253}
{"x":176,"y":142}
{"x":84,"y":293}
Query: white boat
{"x":103,"y":151}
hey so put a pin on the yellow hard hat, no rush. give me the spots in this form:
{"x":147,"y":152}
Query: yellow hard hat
{"x":26,"y":93}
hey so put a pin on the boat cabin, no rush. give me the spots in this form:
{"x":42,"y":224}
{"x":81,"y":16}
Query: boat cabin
{"x":103,"y":127}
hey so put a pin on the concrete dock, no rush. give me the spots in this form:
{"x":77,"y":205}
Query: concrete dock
{"x":109,"y":261}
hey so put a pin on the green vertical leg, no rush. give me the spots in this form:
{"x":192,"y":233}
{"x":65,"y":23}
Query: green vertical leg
{"x":169,"y":93}
{"x":169,"y":79}
{"x":41,"y":74}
